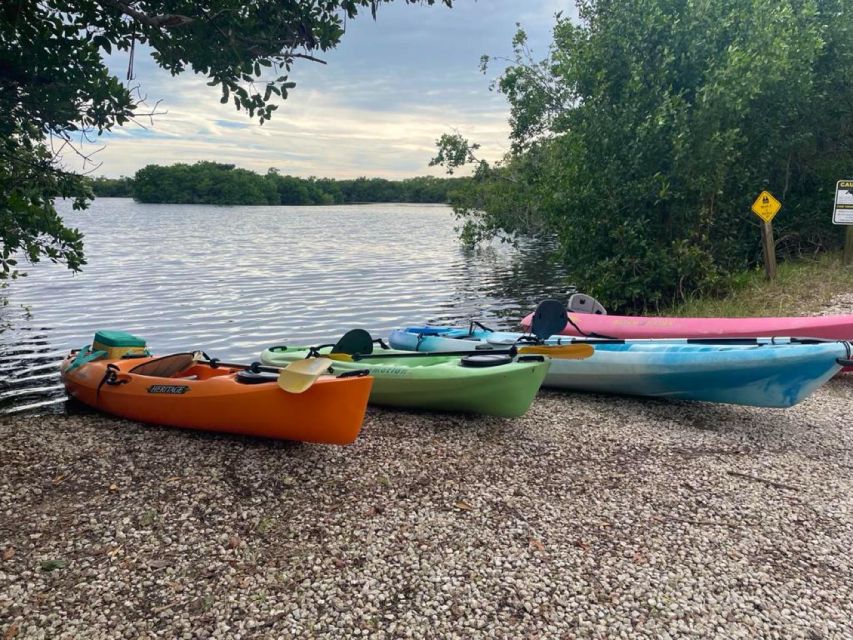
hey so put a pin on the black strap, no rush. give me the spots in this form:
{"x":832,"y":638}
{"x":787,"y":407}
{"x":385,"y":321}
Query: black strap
{"x":474,"y":323}
{"x":213,"y":363}
{"x":314,"y":352}
{"x":848,"y":361}
{"x":382,"y":344}
{"x":111,"y":378}
{"x":591,"y":334}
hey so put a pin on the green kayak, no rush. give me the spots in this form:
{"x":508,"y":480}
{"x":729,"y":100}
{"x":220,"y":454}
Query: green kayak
{"x":495,"y":385}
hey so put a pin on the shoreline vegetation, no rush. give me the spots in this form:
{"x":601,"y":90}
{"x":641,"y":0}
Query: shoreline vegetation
{"x":642,"y":136}
{"x":803,"y":286}
{"x":225,"y":184}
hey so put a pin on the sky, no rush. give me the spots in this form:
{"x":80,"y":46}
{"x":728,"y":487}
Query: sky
{"x":389,"y":90}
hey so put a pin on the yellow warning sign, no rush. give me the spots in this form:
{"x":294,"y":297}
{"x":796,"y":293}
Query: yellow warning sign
{"x":766,"y":206}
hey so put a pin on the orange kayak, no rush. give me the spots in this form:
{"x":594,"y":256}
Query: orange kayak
{"x":178,"y":391}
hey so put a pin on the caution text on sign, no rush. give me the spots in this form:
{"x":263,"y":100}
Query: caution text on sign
{"x":766,"y":206}
{"x":843,"y":211}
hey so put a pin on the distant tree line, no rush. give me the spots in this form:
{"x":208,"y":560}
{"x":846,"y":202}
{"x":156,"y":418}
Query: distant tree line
{"x":216,"y":183}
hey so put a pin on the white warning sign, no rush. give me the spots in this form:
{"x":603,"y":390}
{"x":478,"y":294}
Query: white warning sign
{"x":843,"y":212}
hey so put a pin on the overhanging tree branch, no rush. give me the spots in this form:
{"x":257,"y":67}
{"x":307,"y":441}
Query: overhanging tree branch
{"x":166,"y":21}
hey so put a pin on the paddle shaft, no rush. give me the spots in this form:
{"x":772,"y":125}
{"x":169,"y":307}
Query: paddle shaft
{"x":556,"y":350}
{"x":425,"y":354}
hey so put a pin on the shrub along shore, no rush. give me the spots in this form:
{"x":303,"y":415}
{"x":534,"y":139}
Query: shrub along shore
{"x":801,"y":286}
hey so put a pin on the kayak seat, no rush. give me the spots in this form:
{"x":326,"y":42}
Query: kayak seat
{"x":485,"y":360}
{"x":165,"y":367}
{"x":582,"y":303}
{"x":548,"y":319}
{"x":354,"y":341}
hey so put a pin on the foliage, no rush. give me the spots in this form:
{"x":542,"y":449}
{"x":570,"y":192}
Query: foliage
{"x":642,"y":139}
{"x":802,"y":285}
{"x":215,"y":183}
{"x":208,"y":182}
{"x":56,"y":92}
{"x":112,"y":187}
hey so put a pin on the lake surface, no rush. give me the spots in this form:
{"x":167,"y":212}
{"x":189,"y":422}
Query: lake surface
{"x":235,"y":280}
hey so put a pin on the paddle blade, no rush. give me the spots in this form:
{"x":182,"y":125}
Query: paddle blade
{"x":300,"y":375}
{"x":560,"y":351}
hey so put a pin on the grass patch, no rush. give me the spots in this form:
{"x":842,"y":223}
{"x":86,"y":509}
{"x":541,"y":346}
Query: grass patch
{"x":52,"y":564}
{"x":801,"y":286}
{"x":264,"y":525}
{"x":148,"y":518}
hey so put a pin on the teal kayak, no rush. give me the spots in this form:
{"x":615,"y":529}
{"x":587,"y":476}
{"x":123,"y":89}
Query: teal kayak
{"x":492,"y":384}
{"x":763,"y":372}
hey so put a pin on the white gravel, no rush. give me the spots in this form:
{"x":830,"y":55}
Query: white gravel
{"x":590,"y":517}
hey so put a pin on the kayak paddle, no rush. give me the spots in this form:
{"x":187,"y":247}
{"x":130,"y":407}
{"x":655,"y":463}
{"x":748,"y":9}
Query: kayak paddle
{"x":294,"y":378}
{"x":563,"y":352}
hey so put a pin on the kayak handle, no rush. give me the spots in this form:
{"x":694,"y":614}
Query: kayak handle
{"x":357,"y":373}
{"x":845,"y":362}
{"x":530,"y":359}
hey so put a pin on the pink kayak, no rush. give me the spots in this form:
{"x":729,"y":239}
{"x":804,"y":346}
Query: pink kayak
{"x":839,"y":327}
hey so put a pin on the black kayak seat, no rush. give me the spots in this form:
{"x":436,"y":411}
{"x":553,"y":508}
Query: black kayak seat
{"x":548,"y":319}
{"x":354,"y":341}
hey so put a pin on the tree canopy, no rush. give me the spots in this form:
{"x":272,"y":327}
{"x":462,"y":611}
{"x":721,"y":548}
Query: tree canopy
{"x":56,"y":91}
{"x":640,"y":141}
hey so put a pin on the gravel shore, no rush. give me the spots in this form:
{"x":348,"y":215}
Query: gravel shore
{"x":590,"y":517}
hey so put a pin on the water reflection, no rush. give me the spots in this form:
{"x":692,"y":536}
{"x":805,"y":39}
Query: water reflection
{"x":233,"y":280}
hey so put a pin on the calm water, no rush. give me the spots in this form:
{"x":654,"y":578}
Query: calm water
{"x":235,"y":280}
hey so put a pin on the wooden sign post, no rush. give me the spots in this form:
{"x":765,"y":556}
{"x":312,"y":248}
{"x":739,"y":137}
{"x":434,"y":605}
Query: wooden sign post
{"x":843,"y":214}
{"x":766,"y":207}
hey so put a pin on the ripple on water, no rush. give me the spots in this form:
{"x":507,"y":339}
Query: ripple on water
{"x":235,"y":280}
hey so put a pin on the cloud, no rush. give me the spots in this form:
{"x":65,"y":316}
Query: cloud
{"x":389,"y":90}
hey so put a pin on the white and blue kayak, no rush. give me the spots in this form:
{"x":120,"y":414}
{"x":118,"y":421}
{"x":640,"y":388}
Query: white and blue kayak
{"x":762,"y":372}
